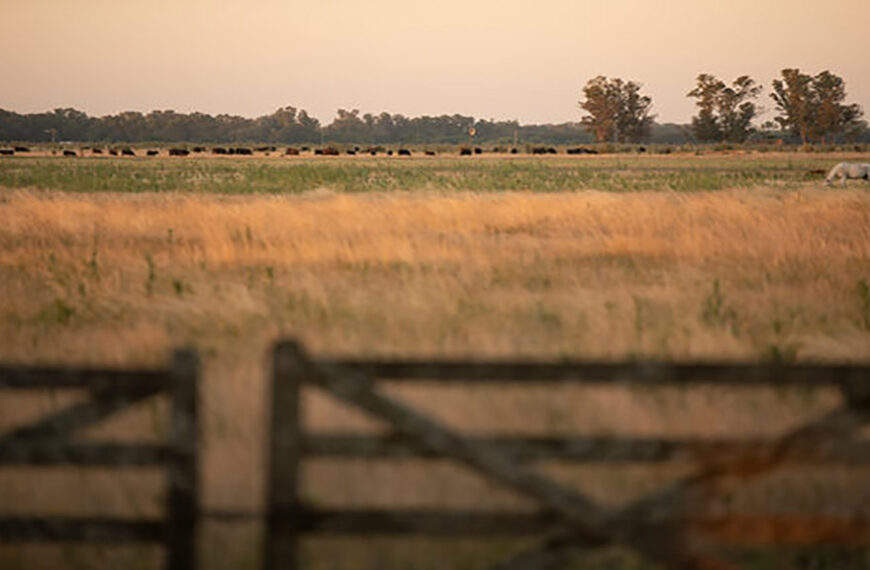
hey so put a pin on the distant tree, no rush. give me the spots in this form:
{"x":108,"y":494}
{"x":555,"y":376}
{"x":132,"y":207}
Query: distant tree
{"x":705,"y":125}
{"x":813,"y":108}
{"x":725,"y":113}
{"x":616,"y":110}
{"x":793,"y":96}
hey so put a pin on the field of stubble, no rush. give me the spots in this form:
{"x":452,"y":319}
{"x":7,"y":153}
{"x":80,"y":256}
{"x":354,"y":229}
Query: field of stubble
{"x":115,"y":262}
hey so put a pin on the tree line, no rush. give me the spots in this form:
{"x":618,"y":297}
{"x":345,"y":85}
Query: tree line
{"x":810,"y":108}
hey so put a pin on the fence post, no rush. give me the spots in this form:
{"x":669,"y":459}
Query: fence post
{"x":183,"y":495}
{"x":285,"y":453}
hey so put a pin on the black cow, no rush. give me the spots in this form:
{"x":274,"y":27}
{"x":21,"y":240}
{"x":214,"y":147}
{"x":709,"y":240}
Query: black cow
{"x":113,"y":152}
{"x":465,"y":151}
{"x":152,"y":152}
{"x":404,"y":152}
{"x":243,"y":151}
{"x":478,"y":150}
{"x":389,"y":153}
{"x":514,"y":151}
{"x":127,"y":152}
{"x":539,"y":150}
{"x":198,"y":149}
{"x":97,"y":151}
{"x":429,"y":152}
{"x":178,"y":152}
{"x":22,"y":149}
{"x":6,"y":152}
{"x":69,"y":153}
{"x":304,"y":149}
{"x":351,"y":152}
{"x":219,"y":150}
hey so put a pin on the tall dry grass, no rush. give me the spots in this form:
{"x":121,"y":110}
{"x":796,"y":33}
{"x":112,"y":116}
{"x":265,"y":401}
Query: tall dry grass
{"x":120,"y":279}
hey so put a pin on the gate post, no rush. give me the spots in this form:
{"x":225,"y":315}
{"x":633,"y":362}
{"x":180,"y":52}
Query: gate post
{"x":183,"y":496}
{"x":285,"y":453}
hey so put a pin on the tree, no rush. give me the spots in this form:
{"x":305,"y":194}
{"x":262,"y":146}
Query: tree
{"x":617,"y":110}
{"x":705,"y":125}
{"x":726,"y":113}
{"x":793,"y":98}
{"x":813,"y":108}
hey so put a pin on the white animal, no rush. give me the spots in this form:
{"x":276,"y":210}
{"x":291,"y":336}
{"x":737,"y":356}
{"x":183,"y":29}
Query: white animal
{"x":846,"y":170}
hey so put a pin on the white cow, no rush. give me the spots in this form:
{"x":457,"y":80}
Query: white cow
{"x":846,"y":170}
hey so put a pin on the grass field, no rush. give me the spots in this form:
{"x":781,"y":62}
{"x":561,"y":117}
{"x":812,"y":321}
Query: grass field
{"x":745,"y":257}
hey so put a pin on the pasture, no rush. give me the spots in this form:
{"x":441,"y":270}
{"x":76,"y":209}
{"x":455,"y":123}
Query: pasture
{"x":114,"y":261}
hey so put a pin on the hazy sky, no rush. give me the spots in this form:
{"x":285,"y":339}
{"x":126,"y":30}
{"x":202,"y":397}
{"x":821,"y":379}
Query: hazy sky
{"x":502,"y":59}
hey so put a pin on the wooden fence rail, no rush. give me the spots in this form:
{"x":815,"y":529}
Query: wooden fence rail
{"x":47,"y":442}
{"x":659,"y":525}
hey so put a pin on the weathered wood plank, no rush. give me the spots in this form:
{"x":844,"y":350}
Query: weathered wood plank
{"x":423,"y":521}
{"x":783,"y":530}
{"x":183,"y":493}
{"x":79,"y":529}
{"x":586,"y":449}
{"x":29,"y":378}
{"x":53,"y":452}
{"x":285,"y":455}
{"x":642,"y":372}
{"x":60,"y":423}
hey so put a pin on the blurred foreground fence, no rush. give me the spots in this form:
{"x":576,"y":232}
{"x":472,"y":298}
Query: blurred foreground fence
{"x":49,"y":441}
{"x":667,"y":525}
{"x":664,"y":526}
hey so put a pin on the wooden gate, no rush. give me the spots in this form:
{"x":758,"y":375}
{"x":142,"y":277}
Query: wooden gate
{"x":660,"y":525}
{"x":47,"y":442}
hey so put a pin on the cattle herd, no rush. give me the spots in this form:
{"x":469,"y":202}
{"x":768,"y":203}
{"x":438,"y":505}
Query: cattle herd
{"x":292,"y":151}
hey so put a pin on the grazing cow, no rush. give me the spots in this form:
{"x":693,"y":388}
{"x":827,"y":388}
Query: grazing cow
{"x":404,"y":152}
{"x":478,"y":150}
{"x":514,"y":151}
{"x":152,"y":152}
{"x":21,"y":149}
{"x":219,"y":150}
{"x":351,"y":152}
{"x":292,"y":151}
{"x":429,"y":152}
{"x":178,"y":152}
{"x":465,"y":151}
{"x":69,"y":153}
{"x":305,"y":149}
{"x":389,"y":153}
{"x":244,"y":151}
{"x":539,"y":150}
{"x":113,"y":152}
{"x":97,"y":151}
{"x":330,"y":151}
{"x":6,"y":152}
{"x":318,"y":152}
{"x":127,"y":152}
{"x":846,"y":170}
{"x":198,"y":149}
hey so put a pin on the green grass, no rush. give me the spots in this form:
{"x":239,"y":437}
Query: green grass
{"x":617,"y":173}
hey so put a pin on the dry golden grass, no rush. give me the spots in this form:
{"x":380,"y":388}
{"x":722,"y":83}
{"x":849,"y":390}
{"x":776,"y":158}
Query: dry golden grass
{"x":120,"y":279}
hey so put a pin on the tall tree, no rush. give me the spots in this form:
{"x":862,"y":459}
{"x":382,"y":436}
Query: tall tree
{"x":705,"y":125}
{"x":813,"y":107}
{"x":616,"y":110}
{"x":736,"y":109}
{"x":725,"y":113}
{"x":793,"y":96}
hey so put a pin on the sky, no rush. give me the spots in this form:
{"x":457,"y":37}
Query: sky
{"x":492,"y":59}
